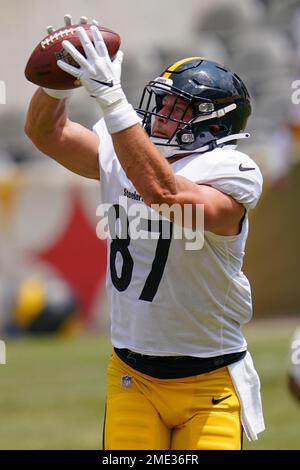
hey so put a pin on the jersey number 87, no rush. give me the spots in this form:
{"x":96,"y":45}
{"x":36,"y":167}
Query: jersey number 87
{"x":121,"y":245}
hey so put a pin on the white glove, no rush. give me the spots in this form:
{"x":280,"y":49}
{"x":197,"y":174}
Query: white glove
{"x":101,"y":78}
{"x":61,"y":94}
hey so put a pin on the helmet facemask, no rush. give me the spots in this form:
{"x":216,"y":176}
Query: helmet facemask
{"x":183,"y":137}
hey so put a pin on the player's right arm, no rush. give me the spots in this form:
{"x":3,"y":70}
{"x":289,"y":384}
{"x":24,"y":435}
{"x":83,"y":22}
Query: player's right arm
{"x":72,"y":145}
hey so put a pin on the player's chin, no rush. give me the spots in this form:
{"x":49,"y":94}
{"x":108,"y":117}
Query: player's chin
{"x":160,"y":134}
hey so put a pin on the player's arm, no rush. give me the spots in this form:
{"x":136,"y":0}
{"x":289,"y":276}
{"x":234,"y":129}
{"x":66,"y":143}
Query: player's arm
{"x":152,"y":176}
{"x":149,"y":172}
{"x":72,"y":145}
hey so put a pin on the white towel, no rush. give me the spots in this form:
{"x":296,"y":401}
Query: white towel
{"x":247,"y":386}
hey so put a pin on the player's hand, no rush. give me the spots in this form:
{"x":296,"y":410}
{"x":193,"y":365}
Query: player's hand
{"x":101,"y":78}
{"x":68,"y":23}
{"x":61,"y":94}
{"x":96,"y":72}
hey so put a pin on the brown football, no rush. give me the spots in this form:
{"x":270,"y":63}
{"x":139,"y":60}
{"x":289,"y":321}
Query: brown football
{"x":42,"y":68}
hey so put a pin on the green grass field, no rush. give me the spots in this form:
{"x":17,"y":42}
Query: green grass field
{"x":52,"y":391}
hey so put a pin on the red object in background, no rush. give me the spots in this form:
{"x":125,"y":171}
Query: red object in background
{"x":79,"y":257}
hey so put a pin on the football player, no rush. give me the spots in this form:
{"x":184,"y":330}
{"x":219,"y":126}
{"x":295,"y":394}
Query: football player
{"x":180,"y":376}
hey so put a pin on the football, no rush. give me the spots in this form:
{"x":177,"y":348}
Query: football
{"x":41,"y":68}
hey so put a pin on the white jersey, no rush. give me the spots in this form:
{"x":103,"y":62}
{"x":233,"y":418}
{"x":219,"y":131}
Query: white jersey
{"x":163,"y":298}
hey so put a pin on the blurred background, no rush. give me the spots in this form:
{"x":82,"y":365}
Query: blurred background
{"x":53,"y":312}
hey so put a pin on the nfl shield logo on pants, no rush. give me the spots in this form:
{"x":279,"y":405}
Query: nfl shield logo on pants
{"x":126,"y":381}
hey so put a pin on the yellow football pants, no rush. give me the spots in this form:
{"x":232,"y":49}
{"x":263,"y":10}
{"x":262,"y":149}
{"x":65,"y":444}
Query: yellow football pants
{"x":193,"y":413}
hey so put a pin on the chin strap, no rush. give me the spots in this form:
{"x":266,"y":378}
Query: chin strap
{"x":169,"y":149}
{"x":216,"y":114}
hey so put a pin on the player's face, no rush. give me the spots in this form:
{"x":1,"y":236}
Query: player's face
{"x":163,"y":127}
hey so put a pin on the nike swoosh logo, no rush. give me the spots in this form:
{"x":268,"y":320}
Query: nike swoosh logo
{"x":215,"y":401}
{"x":245,"y":168}
{"x":110,"y":84}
